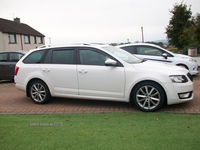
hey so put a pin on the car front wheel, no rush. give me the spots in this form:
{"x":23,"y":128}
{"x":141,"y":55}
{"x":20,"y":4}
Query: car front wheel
{"x":148,"y":96}
{"x":39,"y":92}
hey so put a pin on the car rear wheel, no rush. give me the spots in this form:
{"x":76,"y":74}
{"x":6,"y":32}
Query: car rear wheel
{"x":148,"y":96}
{"x":39,"y":92}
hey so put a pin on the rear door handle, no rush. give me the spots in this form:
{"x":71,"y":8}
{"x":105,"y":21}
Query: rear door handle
{"x":82,"y":71}
{"x":46,"y":70}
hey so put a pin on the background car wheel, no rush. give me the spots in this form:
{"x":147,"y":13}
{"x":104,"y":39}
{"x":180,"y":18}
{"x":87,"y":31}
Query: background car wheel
{"x":148,"y":96}
{"x":39,"y":92}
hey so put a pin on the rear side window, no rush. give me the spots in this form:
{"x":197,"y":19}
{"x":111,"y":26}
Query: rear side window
{"x":129,"y":49}
{"x":34,"y":57}
{"x":60,"y":56}
{"x":63,"y":57}
{"x":15,"y":57}
{"x":3,"y":57}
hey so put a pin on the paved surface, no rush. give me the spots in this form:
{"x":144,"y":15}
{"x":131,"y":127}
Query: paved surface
{"x":13,"y":101}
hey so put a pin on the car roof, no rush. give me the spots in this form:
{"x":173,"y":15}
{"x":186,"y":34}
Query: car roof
{"x":22,"y":52}
{"x":136,"y":44}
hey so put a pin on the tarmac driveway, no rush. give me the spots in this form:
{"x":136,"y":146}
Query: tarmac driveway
{"x":13,"y":101}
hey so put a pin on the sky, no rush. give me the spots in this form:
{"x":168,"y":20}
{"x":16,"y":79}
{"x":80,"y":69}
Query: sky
{"x":95,"y":21}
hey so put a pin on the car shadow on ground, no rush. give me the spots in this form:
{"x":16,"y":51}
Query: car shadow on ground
{"x":6,"y":81}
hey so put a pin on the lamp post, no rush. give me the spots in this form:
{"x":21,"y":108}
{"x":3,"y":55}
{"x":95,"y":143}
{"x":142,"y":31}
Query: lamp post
{"x":49,"y":40}
{"x":142,"y":35}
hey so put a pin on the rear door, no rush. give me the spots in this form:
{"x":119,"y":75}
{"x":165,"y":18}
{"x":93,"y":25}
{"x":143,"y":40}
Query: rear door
{"x":13,"y":58}
{"x":59,"y":70}
{"x":4,"y":69}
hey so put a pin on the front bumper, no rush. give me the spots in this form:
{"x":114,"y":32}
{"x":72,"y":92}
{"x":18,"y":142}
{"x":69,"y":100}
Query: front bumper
{"x":194,"y":70}
{"x":179,"y":92}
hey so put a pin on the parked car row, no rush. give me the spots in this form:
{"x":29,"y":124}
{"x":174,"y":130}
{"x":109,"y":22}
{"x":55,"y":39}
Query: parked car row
{"x":103,"y":72}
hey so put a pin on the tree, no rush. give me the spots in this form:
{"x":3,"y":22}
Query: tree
{"x":180,"y":21}
{"x":197,"y":29}
{"x":191,"y":36}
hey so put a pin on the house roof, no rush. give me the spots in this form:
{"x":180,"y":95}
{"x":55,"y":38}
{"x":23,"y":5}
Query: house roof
{"x":7,"y":26}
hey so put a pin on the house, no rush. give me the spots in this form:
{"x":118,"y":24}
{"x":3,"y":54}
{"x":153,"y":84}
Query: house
{"x":15,"y":35}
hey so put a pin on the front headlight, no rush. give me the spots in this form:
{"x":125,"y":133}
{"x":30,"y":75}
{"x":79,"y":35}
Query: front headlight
{"x":178,"y":78}
{"x":189,"y":59}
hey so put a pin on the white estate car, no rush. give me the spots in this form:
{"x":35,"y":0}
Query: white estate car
{"x":156,"y":53}
{"x":101,"y":72}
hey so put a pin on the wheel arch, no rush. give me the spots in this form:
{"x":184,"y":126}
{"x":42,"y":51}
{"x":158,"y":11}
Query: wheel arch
{"x":30,"y":81}
{"x":181,"y":64}
{"x":151,"y":81}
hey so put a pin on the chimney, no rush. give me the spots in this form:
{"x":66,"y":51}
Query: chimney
{"x":17,"y":20}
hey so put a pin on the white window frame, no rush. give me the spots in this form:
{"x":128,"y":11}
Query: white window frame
{"x":26,"y":39}
{"x":12,"y":38}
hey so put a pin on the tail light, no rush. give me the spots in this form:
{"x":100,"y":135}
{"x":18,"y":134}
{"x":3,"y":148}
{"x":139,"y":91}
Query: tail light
{"x":16,"y":70}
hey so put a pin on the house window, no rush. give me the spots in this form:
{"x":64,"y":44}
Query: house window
{"x":12,"y":38}
{"x":34,"y":38}
{"x":40,"y":40}
{"x":26,"y":39}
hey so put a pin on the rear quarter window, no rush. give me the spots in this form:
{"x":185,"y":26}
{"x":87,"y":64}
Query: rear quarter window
{"x":34,"y":57}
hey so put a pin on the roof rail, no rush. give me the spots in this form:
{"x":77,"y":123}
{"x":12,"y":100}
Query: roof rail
{"x":78,"y":43}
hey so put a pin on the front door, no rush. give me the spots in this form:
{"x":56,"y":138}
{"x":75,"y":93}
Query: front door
{"x":96,"y":79}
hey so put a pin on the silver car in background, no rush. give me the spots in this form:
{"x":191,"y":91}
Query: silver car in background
{"x":157,"y":53}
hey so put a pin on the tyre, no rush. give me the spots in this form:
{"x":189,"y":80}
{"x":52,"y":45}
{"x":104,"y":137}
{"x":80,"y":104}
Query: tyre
{"x":39,"y":92}
{"x":148,"y":96}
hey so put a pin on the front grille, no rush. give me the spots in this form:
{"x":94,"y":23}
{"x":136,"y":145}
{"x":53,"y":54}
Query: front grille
{"x":190,"y":76}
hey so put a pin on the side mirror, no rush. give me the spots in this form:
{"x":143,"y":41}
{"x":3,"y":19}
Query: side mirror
{"x":164,"y":55}
{"x":110,"y":62}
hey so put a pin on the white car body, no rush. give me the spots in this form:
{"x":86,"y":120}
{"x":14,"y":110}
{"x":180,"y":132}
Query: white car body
{"x":175,"y":59}
{"x":113,"y":83}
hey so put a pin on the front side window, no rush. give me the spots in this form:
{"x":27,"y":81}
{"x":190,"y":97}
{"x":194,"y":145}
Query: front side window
{"x":34,"y":57}
{"x":26,"y":39}
{"x":146,"y":50}
{"x":91,"y":57}
{"x":3,"y":57}
{"x":15,"y":57}
{"x":12,"y":38}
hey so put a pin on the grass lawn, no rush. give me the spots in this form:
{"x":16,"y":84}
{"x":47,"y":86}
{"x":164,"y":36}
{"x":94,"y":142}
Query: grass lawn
{"x":113,"y":131}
